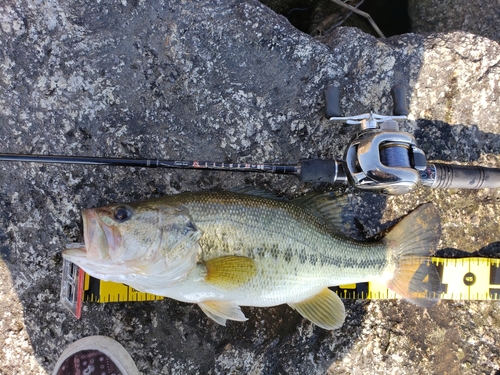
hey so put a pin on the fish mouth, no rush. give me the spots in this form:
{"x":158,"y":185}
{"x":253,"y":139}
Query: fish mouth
{"x":94,"y":256}
{"x":104,"y":269}
{"x":96,"y":244}
{"x":75,"y":250}
{"x":95,"y":236}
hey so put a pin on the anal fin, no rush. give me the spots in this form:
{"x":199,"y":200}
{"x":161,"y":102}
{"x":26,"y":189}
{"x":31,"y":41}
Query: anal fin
{"x":325,"y":309}
{"x":220,"y":311}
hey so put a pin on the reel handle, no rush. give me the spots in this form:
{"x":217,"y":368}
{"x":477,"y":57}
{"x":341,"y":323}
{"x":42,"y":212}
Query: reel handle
{"x":332,"y":101}
{"x":398,"y":93}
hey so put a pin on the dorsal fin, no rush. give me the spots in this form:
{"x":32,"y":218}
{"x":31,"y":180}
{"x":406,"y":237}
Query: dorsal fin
{"x":334,"y":209}
{"x":250,"y":190}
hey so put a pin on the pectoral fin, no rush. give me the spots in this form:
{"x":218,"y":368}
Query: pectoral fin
{"x":325,"y":309}
{"x":220,"y":311}
{"x":230,"y":272}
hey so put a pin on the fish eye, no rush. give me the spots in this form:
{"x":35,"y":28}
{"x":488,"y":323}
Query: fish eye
{"x":122,"y":214}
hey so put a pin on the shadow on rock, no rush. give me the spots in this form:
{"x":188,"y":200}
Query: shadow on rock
{"x":455,"y":143}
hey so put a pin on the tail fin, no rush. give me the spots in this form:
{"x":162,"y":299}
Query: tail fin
{"x":409,"y":244}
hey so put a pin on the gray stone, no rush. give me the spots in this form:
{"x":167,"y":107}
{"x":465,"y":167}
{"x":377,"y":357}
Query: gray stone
{"x":476,"y":16}
{"x":229,"y":80}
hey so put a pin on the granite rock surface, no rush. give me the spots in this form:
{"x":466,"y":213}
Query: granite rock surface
{"x":477,"y":17}
{"x":230,"y":81}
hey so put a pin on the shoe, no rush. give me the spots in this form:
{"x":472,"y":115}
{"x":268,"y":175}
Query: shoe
{"x":95,"y":355}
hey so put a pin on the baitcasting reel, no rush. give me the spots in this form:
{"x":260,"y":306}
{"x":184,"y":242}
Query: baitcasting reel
{"x":383,"y":159}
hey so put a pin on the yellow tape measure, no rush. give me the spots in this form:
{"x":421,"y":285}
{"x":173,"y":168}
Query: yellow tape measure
{"x":95,"y":290}
{"x":460,"y":278}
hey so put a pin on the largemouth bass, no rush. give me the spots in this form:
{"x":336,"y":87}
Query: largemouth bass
{"x":223,"y":250}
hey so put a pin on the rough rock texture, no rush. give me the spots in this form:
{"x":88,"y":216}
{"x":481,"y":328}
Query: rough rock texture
{"x":229,"y":80}
{"x":473,"y":16}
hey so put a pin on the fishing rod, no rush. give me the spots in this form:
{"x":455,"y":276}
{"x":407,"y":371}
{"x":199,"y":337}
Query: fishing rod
{"x":380,"y":158}
{"x":153,"y":163}
{"x":314,"y":170}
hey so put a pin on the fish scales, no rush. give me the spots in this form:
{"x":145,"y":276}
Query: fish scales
{"x":281,"y":234}
{"x":223,"y":250}
{"x":282,"y":238}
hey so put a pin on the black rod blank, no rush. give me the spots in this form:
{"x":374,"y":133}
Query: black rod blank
{"x":154,"y":163}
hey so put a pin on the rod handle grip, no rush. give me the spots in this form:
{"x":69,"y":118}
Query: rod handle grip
{"x":319,"y":170}
{"x":450,"y":176}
